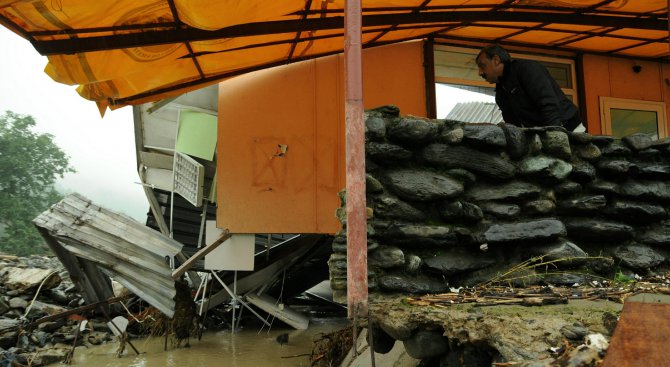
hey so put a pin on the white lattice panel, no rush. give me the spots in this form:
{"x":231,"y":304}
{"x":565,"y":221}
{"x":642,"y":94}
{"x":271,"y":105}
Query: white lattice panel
{"x":189,"y":178}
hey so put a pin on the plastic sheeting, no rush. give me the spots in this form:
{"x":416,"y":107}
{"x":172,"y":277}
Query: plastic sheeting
{"x":123,"y":52}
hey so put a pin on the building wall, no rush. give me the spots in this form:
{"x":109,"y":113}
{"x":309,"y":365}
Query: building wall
{"x":614,"y":77}
{"x":262,"y":189}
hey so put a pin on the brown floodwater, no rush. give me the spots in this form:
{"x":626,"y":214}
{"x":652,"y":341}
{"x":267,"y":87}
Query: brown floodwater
{"x":245,"y":348}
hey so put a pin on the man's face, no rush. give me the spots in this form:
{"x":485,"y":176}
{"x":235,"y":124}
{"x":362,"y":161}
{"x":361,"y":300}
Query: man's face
{"x":490,"y":69}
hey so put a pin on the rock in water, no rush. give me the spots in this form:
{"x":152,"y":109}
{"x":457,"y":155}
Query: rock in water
{"x":282,"y":339}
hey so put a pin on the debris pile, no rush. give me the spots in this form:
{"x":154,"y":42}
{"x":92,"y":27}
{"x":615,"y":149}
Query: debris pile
{"x":44,"y":319}
{"x":539,"y":295}
{"x":33,"y":288}
{"x":330,"y":349}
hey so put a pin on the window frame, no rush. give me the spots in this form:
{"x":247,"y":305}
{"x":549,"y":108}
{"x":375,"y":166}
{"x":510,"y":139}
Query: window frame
{"x":609,"y":103}
{"x":570,"y":92}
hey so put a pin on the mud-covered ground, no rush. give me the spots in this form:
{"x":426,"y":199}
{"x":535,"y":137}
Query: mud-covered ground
{"x":540,"y":326}
{"x":465,"y":328}
{"x":37,"y":287}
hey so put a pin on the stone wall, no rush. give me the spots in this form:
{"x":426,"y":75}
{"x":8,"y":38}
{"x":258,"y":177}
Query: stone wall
{"x":456,"y":204}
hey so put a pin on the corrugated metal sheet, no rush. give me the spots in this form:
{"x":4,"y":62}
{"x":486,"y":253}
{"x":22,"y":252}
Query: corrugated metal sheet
{"x":123,"y":249}
{"x":476,"y":112}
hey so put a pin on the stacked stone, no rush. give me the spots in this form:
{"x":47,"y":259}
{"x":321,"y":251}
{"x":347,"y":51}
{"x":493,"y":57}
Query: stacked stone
{"x":20,"y":302}
{"x":455,"y":204}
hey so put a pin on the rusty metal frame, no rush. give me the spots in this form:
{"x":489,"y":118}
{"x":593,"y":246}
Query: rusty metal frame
{"x":380,"y":20}
{"x":297,"y":39}
{"x":421,"y":6}
{"x":177,"y":25}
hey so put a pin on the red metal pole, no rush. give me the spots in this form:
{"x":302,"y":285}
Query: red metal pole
{"x":357,"y":236}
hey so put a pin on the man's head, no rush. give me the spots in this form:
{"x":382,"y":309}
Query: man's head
{"x":491,"y":62}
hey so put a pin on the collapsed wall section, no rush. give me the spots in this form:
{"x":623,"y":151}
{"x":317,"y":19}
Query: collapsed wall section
{"x":454,"y":204}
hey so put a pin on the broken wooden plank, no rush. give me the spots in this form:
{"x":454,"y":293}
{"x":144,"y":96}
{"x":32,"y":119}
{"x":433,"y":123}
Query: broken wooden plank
{"x":73,"y":311}
{"x":153,"y":203}
{"x":284,"y":313}
{"x":200,"y":254}
{"x":642,"y":333}
{"x":74,"y":268}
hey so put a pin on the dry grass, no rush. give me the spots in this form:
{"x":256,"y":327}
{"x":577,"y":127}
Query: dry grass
{"x":537,"y":267}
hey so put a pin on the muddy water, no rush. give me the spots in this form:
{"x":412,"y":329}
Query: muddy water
{"x":244,"y":348}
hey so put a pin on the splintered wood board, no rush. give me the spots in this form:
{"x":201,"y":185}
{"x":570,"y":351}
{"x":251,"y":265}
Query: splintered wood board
{"x":642,"y":335}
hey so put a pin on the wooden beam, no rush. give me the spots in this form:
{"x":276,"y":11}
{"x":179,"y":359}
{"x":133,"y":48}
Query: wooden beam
{"x":641,"y":334}
{"x":200,"y":254}
{"x":73,"y":311}
{"x":154,"y":206}
{"x":168,"y":36}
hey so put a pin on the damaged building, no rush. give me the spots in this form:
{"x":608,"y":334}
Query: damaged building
{"x":246,"y":139}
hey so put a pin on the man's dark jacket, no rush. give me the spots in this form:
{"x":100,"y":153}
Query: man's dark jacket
{"x":528,"y":96}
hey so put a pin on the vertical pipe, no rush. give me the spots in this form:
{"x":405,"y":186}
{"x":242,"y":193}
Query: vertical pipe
{"x":234,"y":296}
{"x":203,"y":221}
{"x":357,"y":253}
{"x":429,"y":77}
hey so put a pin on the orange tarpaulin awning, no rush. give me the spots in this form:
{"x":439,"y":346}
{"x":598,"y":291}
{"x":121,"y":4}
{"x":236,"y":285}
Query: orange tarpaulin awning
{"x":133,"y":51}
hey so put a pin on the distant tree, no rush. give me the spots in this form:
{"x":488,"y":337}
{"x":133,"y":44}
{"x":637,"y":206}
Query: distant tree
{"x":30,"y":163}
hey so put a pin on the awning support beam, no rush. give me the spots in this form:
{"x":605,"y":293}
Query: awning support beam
{"x":148,"y":38}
